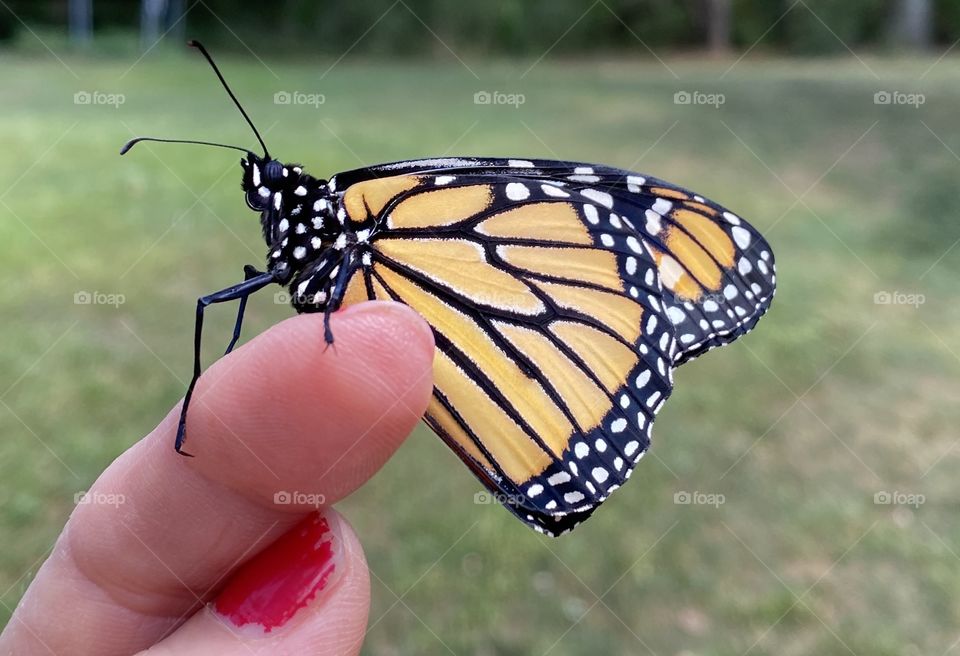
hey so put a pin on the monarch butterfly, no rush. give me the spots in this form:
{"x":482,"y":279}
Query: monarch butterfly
{"x":561,"y":295}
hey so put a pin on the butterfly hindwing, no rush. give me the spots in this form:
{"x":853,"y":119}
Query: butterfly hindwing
{"x":556,"y":334}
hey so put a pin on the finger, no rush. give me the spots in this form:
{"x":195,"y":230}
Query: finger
{"x":281,"y":414}
{"x":308,"y":593}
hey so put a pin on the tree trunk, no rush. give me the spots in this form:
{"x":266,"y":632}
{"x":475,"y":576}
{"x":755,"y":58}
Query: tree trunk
{"x":151,"y":17}
{"x":913,"y":23}
{"x":718,"y":25}
{"x":81,"y":22}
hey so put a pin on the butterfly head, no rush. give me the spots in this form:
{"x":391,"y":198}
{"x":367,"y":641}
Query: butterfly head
{"x":296,"y":212}
{"x":267,"y":182}
{"x":296,"y":209}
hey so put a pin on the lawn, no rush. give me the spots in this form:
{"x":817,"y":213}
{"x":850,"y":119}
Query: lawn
{"x":837,"y":401}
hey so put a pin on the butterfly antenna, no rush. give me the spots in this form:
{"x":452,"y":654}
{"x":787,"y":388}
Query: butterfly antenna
{"x":206,"y":55}
{"x":133,"y":142}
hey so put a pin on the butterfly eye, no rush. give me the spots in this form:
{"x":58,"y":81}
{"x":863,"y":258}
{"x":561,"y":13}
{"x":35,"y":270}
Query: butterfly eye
{"x":254,"y":200}
{"x":273,"y":171}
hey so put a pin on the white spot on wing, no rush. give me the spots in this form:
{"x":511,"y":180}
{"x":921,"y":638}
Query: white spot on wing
{"x":517,"y":191}
{"x":600,"y":197}
{"x":653,"y":222}
{"x":670,"y":271}
{"x":741,"y":236}
{"x":590,"y":212}
{"x":556,"y":192}
{"x":676,"y":315}
{"x":662,"y":206}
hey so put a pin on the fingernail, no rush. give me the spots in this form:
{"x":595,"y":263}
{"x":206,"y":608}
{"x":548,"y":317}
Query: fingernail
{"x":288,"y":575}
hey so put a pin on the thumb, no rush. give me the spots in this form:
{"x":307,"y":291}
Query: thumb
{"x":307,"y":593}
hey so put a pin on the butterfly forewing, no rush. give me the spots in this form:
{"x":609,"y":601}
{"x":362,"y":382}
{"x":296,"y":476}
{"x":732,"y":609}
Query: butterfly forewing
{"x":557,"y":293}
{"x":718,"y":272}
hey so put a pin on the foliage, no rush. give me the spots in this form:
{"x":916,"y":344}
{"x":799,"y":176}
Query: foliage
{"x":509,"y":27}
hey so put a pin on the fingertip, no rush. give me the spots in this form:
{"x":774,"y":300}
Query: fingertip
{"x":285,"y":412}
{"x":396,"y":323}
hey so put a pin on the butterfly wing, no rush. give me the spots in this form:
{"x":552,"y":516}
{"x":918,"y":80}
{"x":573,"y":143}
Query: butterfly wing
{"x":717,"y":271}
{"x":555,"y":334}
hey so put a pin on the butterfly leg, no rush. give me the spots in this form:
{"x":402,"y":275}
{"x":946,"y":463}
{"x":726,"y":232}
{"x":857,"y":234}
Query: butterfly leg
{"x":249,"y":272}
{"x":336,"y":295}
{"x":239,"y":291}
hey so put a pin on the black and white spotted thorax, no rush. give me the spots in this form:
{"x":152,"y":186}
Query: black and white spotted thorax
{"x":312,"y":242}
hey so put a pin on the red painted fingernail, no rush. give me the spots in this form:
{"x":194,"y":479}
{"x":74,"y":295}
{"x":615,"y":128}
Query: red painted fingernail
{"x":282,"y":579}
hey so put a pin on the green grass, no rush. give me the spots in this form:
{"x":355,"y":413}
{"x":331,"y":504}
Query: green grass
{"x":798,"y":560}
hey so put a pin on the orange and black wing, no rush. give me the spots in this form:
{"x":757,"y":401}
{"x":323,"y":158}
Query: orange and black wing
{"x":556,"y":328}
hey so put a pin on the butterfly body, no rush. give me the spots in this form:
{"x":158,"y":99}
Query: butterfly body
{"x":562,"y":297}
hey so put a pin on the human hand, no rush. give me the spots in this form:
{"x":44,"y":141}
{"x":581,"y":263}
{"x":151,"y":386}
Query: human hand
{"x":197,"y":555}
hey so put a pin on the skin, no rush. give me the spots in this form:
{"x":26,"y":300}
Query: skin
{"x":280,"y":413}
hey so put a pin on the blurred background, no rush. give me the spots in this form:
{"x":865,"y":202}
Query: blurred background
{"x":802,"y":498}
